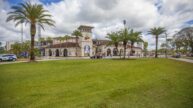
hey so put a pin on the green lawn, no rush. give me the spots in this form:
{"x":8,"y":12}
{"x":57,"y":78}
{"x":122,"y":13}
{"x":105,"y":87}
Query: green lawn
{"x":142,"y":83}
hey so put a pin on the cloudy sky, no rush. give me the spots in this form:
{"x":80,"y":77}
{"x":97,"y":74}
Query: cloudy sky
{"x":105,"y":16}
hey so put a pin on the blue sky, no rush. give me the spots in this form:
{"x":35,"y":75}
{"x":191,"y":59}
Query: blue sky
{"x":105,"y":15}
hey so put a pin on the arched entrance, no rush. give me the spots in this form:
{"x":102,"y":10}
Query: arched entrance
{"x":50,"y":52}
{"x":86,"y":50}
{"x":115,"y":52}
{"x":43,"y":52}
{"x":65,"y":53}
{"x":57,"y":53}
{"x":108,"y":52}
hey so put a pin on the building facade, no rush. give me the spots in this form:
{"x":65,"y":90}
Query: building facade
{"x":85,"y":46}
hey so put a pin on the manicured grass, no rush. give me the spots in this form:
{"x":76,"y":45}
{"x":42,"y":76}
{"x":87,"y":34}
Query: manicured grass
{"x":143,"y":83}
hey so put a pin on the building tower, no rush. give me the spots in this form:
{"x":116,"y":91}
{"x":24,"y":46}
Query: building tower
{"x":85,"y":42}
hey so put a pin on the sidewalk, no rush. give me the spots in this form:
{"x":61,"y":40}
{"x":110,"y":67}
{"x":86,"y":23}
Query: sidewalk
{"x":182,"y":59}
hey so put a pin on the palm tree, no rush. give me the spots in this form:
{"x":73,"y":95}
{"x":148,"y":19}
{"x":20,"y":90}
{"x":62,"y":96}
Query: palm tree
{"x":125,"y":36}
{"x":135,"y":37}
{"x":145,"y":45}
{"x":78,"y":34}
{"x":156,"y":32}
{"x":49,"y":40}
{"x":33,"y":14}
{"x":41,"y":40}
{"x":66,"y":37}
{"x":114,"y":37}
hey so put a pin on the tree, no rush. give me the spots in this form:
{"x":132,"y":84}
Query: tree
{"x":186,"y":37}
{"x":16,"y":49}
{"x":41,"y":40}
{"x":115,"y":39}
{"x":145,"y":45}
{"x":33,"y":14}
{"x":156,"y":32}
{"x":78,"y":34}
{"x":135,"y":37}
{"x":66,"y":37}
{"x":125,"y":36}
{"x":49,"y":40}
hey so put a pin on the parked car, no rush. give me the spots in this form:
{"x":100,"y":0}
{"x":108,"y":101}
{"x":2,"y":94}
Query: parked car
{"x":4,"y":58}
{"x":177,"y":55}
{"x":97,"y":56}
{"x":12,"y":57}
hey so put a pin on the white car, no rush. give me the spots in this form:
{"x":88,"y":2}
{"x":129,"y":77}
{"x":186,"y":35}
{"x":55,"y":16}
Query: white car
{"x":4,"y":58}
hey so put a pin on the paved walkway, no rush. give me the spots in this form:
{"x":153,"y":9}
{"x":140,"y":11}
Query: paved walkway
{"x":182,"y":59}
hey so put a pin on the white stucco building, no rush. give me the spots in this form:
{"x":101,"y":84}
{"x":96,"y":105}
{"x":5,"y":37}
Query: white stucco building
{"x":86,"y":46}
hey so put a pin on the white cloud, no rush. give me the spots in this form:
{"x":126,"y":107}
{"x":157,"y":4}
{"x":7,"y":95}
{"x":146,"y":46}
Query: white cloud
{"x":107,"y":16}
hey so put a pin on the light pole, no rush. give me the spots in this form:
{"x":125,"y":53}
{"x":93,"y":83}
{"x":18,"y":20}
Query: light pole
{"x":166,"y":45}
{"x":21,"y":32}
{"x":124,"y":23}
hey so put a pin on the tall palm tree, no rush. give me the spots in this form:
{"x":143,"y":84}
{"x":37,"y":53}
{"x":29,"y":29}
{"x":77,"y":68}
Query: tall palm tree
{"x":78,"y":34}
{"x":41,"y":40}
{"x":66,"y":37}
{"x":125,"y":36}
{"x":49,"y":40}
{"x":114,"y":37}
{"x":33,"y":14}
{"x":156,"y":32}
{"x":135,"y":37}
{"x":145,"y":45}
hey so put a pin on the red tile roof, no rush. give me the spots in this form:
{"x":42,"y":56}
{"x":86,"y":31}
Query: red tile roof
{"x":66,"y":44}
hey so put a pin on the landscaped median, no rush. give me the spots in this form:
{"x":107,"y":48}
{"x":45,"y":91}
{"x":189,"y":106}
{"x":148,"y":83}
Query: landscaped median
{"x":140,"y":83}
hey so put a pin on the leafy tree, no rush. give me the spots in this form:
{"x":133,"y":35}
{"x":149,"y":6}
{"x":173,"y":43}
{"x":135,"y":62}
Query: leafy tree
{"x":78,"y":34}
{"x":16,"y":49}
{"x":185,"y":36}
{"x":33,"y":14}
{"x":156,"y":32}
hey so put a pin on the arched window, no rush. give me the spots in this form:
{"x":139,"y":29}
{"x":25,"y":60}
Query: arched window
{"x":108,"y":52}
{"x":50,"y":52}
{"x":86,"y":50}
{"x":65,"y":53}
{"x":115,"y":52}
{"x":57,"y":53}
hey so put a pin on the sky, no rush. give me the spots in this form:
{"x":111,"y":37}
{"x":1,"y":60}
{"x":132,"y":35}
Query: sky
{"x":105,"y":15}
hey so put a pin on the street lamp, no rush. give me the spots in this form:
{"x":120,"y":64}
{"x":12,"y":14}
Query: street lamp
{"x":124,"y":23}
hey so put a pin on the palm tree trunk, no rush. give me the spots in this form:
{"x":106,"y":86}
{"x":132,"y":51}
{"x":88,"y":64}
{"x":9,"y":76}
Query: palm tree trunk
{"x":131,"y":48}
{"x":116,"y":47}
{"x":156,"y":46}
{"x":33,"y":32}
{"x":76,"y":45}
{"x":125,"y":45}
{"x":192,"y":48}
{"x":60,"y":47}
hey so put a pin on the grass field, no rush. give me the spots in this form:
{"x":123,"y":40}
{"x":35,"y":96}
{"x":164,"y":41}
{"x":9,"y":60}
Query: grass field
{"x":142,"y":83}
